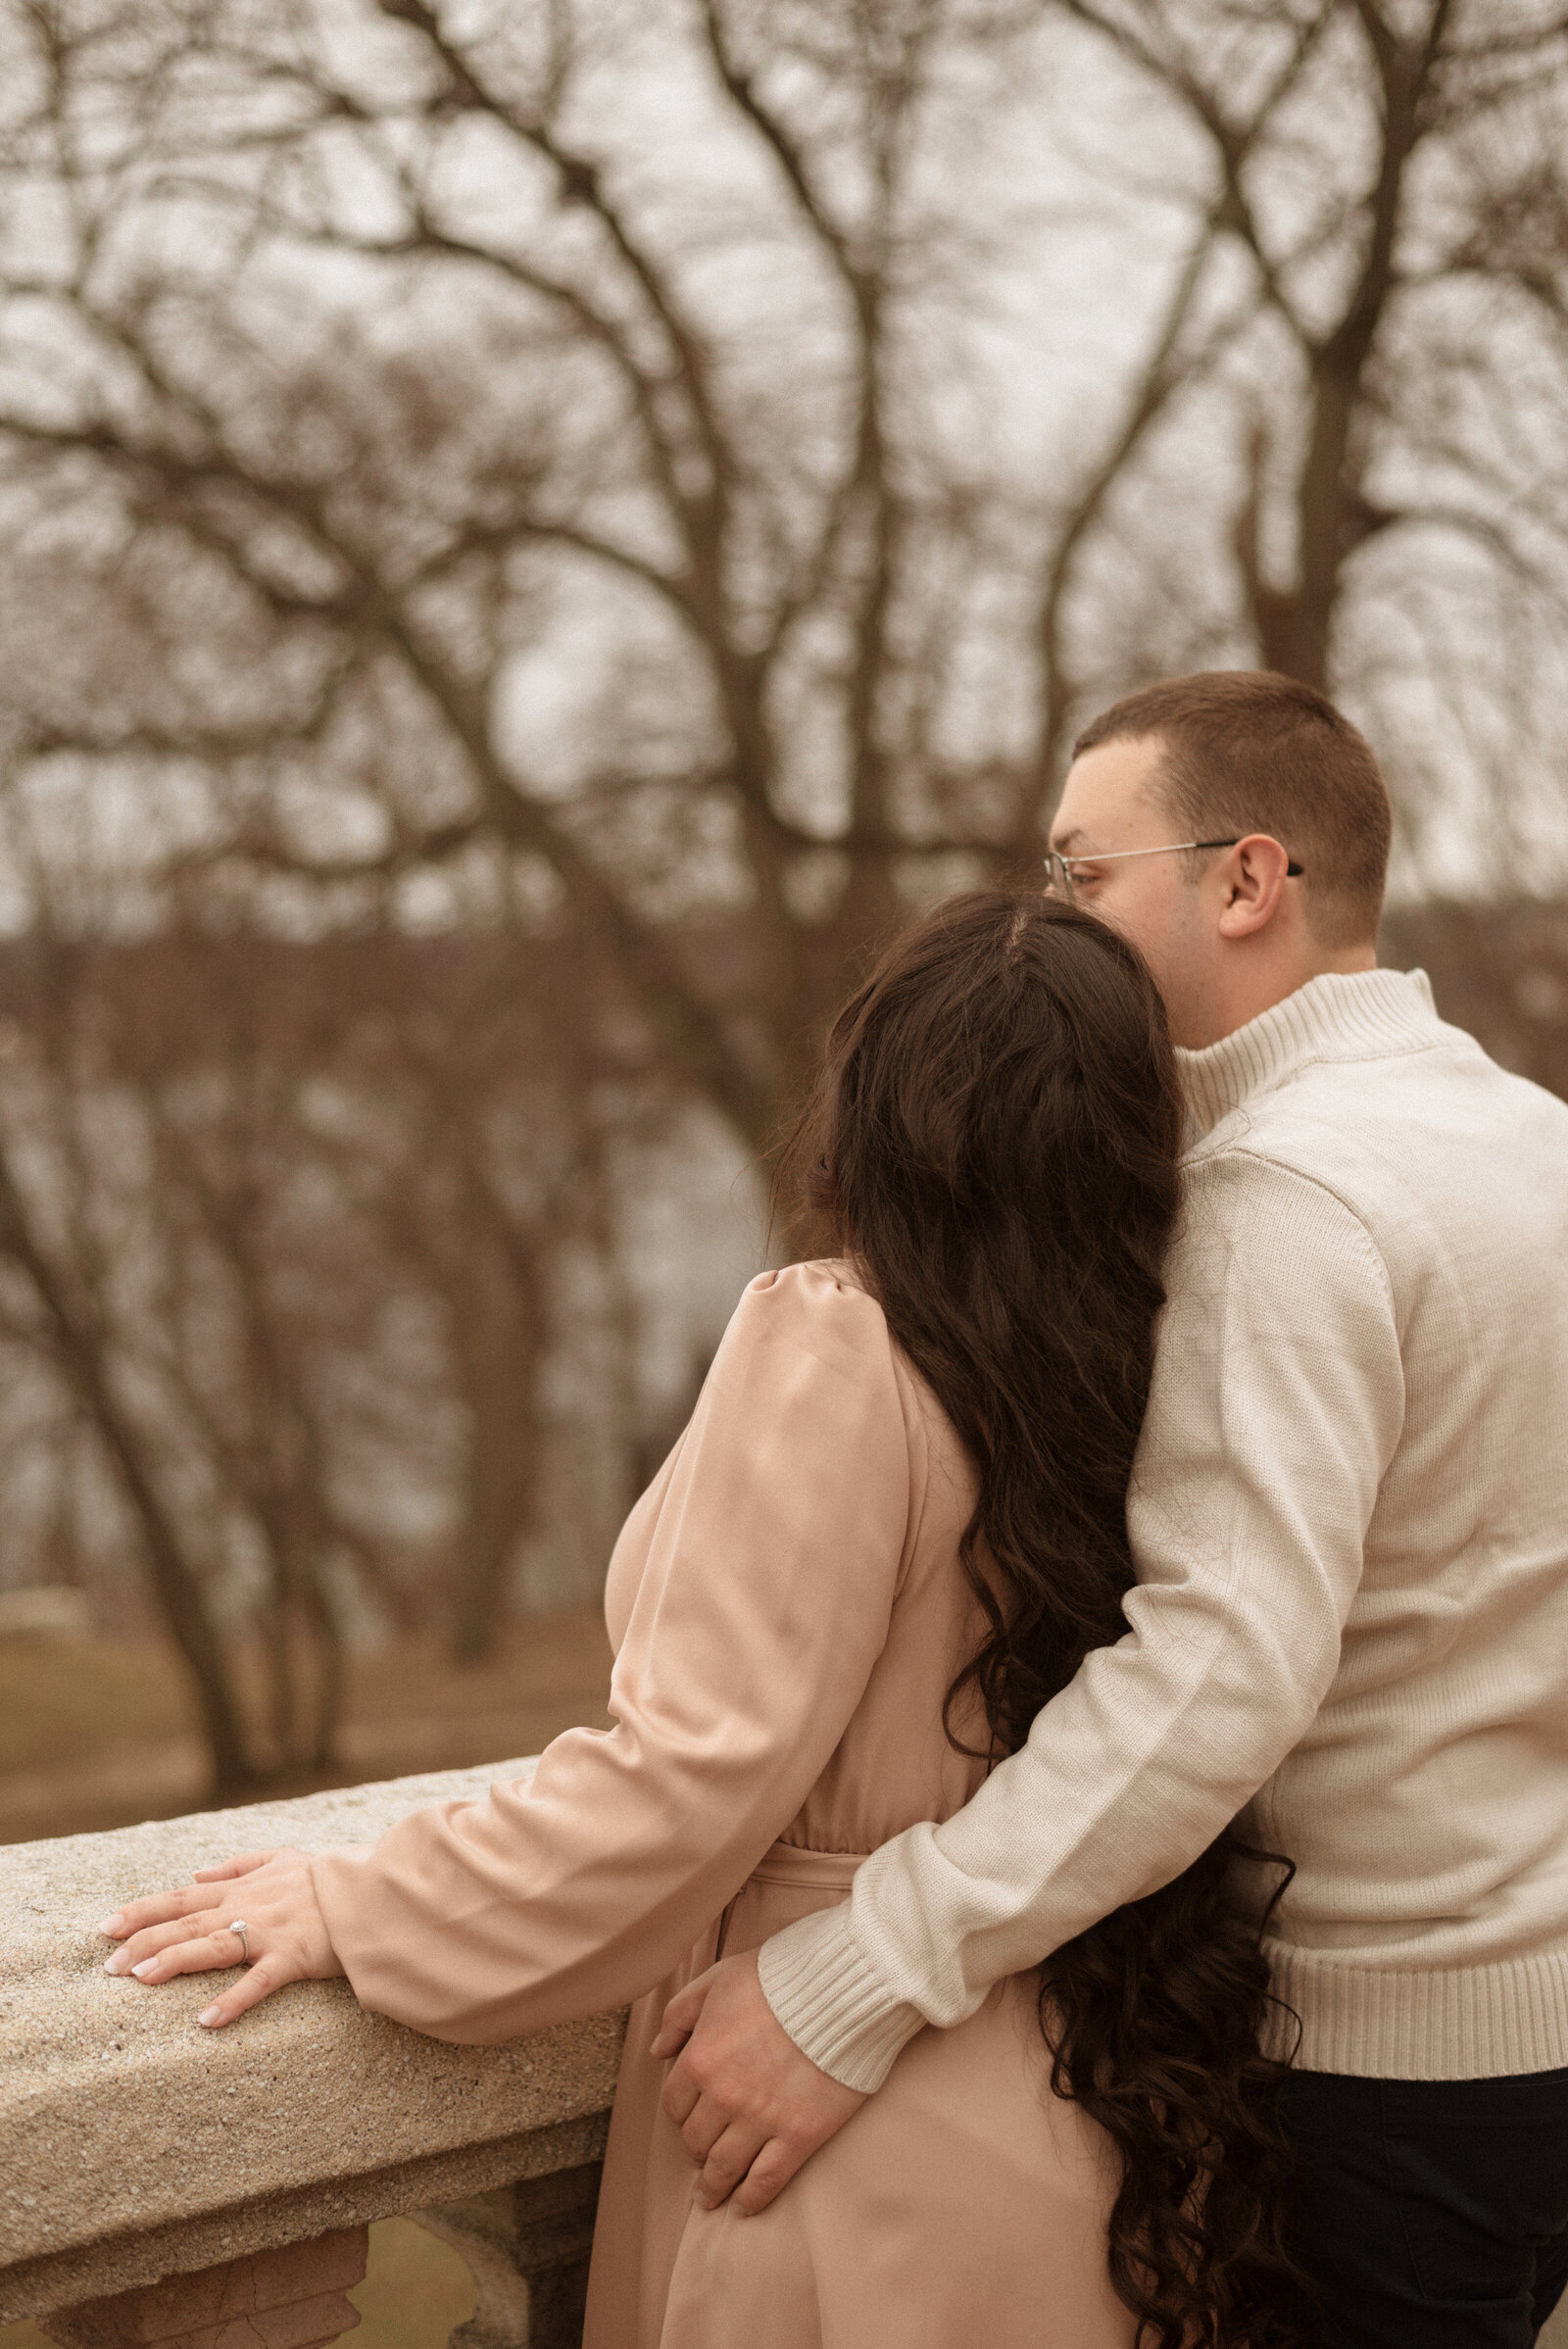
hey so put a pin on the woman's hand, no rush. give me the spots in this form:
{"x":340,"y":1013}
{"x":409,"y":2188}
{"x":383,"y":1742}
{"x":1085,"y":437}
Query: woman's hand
{"x":183,"y":1932}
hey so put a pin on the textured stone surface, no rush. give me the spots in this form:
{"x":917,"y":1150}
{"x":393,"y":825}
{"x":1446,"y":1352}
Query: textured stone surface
{"x":114,"y":2262}
{"x":292,"y":2298}
{"x":133,"y":2143}
{"x":527,"y":2250}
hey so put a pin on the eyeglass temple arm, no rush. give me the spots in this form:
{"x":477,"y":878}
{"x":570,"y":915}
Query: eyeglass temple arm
{"x":1293,"y":871}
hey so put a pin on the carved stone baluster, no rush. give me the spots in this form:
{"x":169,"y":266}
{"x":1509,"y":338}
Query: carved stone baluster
{"x":526,"y":2248}
{"x":288,"y":2298}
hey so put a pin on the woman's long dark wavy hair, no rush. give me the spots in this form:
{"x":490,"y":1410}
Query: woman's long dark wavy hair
{"x":992,"y":1143}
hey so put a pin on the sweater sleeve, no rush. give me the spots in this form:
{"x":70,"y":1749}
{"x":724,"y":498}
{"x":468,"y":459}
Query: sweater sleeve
{"x":772,"y":1565}
{"x":1277,"y":1402}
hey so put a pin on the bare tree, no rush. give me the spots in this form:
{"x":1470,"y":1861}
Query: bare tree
{"x":452,"y":353}
{"x":1384,"y":193}
{"x":494,"y":1166}
{"x":279,"y":1225}
{"x":575,"y":472}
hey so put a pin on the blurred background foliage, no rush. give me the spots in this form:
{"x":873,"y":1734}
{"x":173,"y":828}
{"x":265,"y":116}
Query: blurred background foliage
{"x":531,"y":536}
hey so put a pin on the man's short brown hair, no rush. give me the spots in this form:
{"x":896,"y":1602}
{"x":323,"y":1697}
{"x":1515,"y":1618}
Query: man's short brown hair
{"x":1247,"y":750}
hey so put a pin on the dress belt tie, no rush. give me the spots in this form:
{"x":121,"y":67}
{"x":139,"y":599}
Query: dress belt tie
{"x":793,"y":1864}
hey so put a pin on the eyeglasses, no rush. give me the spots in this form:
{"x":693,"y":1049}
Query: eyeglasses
{"x":1059,"y":882}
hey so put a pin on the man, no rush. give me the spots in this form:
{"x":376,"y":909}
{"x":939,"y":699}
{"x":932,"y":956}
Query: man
{"x":1350,"y":1524}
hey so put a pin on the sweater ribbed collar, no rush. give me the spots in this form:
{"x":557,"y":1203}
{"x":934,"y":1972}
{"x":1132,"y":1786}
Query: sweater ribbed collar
{"x":1343,"y":1015}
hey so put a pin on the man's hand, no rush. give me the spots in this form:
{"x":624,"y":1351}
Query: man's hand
{"x":749,"y":2106}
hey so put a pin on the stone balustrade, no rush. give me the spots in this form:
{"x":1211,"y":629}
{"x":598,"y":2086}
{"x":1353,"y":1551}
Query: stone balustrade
{"x":164,"y":2184}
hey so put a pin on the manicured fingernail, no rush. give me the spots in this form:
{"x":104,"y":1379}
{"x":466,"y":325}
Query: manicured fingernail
{"x":209,"y":2016}
{"x":110,"y":1925}
{"x":146,"y":1967}
{"x":118,"y":1961}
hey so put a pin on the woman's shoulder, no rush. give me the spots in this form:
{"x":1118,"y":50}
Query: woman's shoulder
{"x":819,"y":1305}
{"x":823,"y":1288}
{"x":823,"y":1309}
{"x":795,"y":1324}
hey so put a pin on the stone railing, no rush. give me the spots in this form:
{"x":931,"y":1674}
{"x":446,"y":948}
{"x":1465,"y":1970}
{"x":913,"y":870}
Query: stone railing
{"x":159,"y":2183}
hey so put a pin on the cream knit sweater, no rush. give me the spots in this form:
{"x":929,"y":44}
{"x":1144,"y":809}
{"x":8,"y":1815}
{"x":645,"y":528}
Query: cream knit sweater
{"x":1350,"y":1522}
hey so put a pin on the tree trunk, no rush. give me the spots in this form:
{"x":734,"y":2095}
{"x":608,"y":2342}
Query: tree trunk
{"x":497,"y":1338}
{"x":175,"y":1580}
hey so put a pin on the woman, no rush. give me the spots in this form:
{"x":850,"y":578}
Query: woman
{"x":889,"y":1535}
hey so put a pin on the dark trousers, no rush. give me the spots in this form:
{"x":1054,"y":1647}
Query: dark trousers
{"x":1432,"y":2214}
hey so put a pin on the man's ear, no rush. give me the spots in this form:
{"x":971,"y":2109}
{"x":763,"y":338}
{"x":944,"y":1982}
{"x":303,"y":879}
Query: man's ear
{"x":1253,"y":882}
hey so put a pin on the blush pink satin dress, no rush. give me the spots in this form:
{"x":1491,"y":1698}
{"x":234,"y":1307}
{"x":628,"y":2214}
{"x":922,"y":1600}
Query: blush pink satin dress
{"x":787,"y":1611}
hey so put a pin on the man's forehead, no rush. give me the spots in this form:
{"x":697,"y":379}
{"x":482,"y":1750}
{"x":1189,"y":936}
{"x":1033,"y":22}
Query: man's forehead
{"x":1108,"y":796}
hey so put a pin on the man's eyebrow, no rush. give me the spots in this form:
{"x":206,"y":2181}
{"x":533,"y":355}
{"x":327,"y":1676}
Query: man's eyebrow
{"x":1061,"y":841}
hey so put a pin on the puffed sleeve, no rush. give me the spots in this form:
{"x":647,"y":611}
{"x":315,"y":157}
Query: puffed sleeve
{"x":773,"y":1561}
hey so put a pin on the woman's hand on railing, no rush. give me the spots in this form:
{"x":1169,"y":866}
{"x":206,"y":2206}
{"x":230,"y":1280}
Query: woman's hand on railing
{"x":284,"y":1936}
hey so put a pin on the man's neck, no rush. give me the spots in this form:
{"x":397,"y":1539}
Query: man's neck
{"x":1247,"y":993}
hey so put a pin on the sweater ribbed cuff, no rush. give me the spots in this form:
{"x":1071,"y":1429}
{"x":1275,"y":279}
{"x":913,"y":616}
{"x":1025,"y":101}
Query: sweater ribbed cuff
{"x":833,"y":2002}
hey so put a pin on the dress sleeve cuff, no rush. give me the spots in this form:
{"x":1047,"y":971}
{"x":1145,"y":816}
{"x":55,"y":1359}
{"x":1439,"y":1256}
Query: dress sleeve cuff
{"x":833,"y":2003}
{"x":336,"y":1877}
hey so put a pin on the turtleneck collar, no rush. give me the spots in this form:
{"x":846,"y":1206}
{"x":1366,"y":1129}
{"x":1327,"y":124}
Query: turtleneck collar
{"x":1343,"y":1015}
